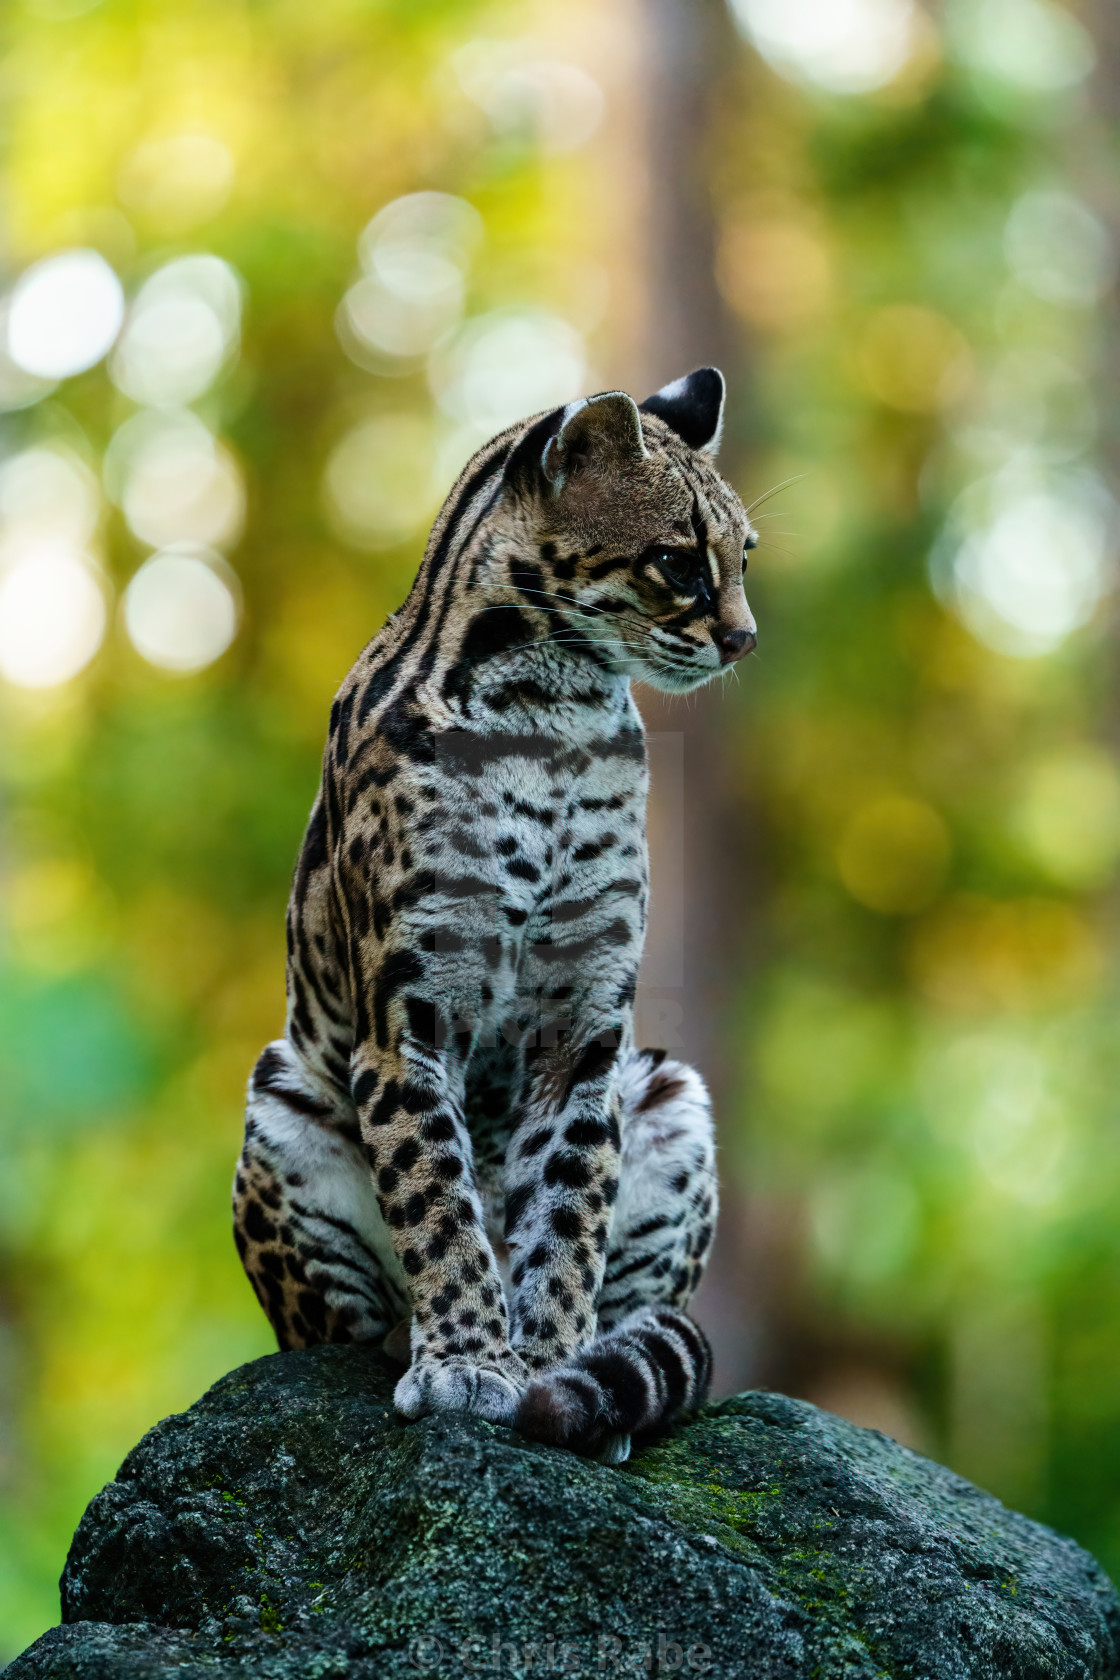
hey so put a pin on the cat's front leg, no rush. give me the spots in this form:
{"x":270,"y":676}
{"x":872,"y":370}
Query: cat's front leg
{"x":562,"y":1171}
{"x":409,"y":1104}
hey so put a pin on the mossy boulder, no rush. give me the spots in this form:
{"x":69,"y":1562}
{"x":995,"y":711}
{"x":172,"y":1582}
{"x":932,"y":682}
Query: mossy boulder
{"x":289,"y":1525}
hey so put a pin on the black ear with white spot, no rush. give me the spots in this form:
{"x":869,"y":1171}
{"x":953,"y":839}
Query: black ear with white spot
{"x":601,"y":433}
{"x":693,"y":406}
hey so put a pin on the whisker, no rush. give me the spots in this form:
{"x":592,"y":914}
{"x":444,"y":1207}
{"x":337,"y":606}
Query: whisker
{"x":653,"y":651}
{"x":766,"y":494}
{"x":510,"y":606}
{"x":551,"y":595}
{"x":589,"y":642}
{"x":503,"y":606}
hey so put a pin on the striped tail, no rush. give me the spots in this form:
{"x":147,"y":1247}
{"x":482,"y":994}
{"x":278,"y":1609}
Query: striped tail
{"x":631,"y":1381}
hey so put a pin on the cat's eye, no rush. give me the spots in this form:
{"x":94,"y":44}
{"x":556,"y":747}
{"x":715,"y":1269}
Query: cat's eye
{"x":750,"y":542}
{"x":675,"y":567}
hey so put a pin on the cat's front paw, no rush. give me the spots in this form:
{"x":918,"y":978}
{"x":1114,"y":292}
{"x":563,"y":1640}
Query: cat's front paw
{"x":490,"y":1391}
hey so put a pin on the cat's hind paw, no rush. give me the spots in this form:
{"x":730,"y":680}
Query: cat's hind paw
{"x":457,"y":1385}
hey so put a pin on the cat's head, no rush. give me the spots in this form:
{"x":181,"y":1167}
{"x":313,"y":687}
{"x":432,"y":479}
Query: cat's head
{"x":639,"y":546}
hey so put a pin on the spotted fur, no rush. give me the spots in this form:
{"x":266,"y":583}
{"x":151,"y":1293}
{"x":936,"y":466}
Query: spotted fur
{"x":456,"y":1145}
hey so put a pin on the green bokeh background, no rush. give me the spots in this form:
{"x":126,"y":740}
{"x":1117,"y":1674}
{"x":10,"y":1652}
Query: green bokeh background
{"x":922,"y":1132}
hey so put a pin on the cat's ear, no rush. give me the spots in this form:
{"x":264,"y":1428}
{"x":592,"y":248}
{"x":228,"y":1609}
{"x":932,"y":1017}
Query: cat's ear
{"x":603,"y":432}
{"x":693,"y":406}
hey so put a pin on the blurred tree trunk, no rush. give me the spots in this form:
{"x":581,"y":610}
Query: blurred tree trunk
{"x":1103,"y":20}
{"x":700,"y":926}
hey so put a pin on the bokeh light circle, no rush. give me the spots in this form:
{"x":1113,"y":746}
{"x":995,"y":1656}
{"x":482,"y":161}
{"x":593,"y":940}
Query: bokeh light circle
{"x":893,"y":853}
{"x":174,"y":482}
{"x":1031,"y":46}
{"x":178,"y":180}
{"x":1027,"y":557}
{"x":506,"y":365}
{"x":181,"y":608}
{"x":181,"y":330}
{"x":48,"y":489}
{"x":65,"y":314}
{"x":380,"y":482}
{"x":1059,"y":248}
{"x":548,"y":101}
{"x":415,"y":255}
{"x":843,"y":46}
{"x":52,"y":613}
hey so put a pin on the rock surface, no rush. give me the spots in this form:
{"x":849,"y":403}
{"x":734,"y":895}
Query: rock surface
{"x":290,"y":1525}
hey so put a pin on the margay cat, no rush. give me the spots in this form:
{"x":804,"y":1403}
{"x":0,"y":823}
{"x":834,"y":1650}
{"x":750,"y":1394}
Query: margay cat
{"x":457,"y":1134}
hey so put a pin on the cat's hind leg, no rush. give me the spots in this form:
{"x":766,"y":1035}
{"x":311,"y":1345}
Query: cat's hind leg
{"x":649,"y":1361}
{"x":306,"y":1220}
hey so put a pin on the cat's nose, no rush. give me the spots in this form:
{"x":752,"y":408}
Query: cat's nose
{"x":733,"y":644}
